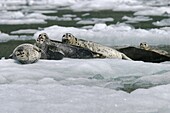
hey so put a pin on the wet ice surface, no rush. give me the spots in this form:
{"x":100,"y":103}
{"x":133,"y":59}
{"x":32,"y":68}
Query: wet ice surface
{"x":74,"y":86}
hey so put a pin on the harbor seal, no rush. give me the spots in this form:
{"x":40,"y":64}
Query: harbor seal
{"x":145,"y":46}
{"x":106,"y":52}
{"x":138,"y":54}
{"x":69,"y":51}
{"x":26,"y":54}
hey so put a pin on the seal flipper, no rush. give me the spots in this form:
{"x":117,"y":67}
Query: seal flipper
{"x":125,"y":57}
{"x":10,"y":56}
{"x":43,"y":54}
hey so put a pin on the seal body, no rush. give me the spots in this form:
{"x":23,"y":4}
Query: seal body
{"x":106,"y":52}
{"x":145,"y":46}
{"x":52,"y":47}
{"x":138,"y":54}
{"x":26,"y":54}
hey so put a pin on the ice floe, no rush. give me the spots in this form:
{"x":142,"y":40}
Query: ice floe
{"x":136,"y":19}
{"x":164,"y":22}
{"x":95,"y":20}
{"x":25,"y":31}
{"x":74,"y":85}
{"x":112,"y":35}
{"x":143,"y":6}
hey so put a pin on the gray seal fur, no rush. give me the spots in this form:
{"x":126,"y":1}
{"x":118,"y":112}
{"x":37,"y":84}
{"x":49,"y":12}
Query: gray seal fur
{"x":52,"y":48}
{"x":106,"y":52}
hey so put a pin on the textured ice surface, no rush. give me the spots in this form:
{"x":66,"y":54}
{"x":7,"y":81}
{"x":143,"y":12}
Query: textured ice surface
{"x":31,"y":12}
{"x":74,"y":86}
{"x":95,"y":20}
{"x":136,"y":19}
{"x":164,"y":22}
{"x":5,"y":37}
{"x":112,"y":35}
{"x":145,"y":7}
{"x":25,"y":31}
{"x":18,"y":17}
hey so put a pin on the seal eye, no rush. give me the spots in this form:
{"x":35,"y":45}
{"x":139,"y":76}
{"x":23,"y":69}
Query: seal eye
{"x":140,"y":44}
{"x":45,"y":35}
{"x":64,"y":35}
{"x":69,"y":35}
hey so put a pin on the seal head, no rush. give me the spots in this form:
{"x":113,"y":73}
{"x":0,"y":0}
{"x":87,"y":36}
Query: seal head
{"x":26,"y":54}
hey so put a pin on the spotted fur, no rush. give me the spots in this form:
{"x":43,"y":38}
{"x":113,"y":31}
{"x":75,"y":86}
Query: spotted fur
{"x":51,"y":47}
{"x":26,"y":53}
{"x":105,"y":51}
{"x":145,"y":46}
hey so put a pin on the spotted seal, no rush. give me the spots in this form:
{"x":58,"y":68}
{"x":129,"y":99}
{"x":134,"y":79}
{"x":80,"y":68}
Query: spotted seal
{"x":145,"y":46}
{"x":26,"y":54}
{"x":105,"y":51}
{"x":51,"y":47}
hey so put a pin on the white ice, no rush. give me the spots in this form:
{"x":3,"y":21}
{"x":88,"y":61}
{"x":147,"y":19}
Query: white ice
{"x":119,"y":34}
{"x":95,"y":20}
{"x":5,"y":37}
{"x":74,"y":86}
{"x":154,"y":11}
{"x":25,"y":31}
{"x":17,"y":17}
{"x":141,"y":7}
{"x":164,"y":22}
{"x":112,"y":35}
{"x":12,"y":12}
{"x":22,"y":21}
{"x":136,"y":19}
